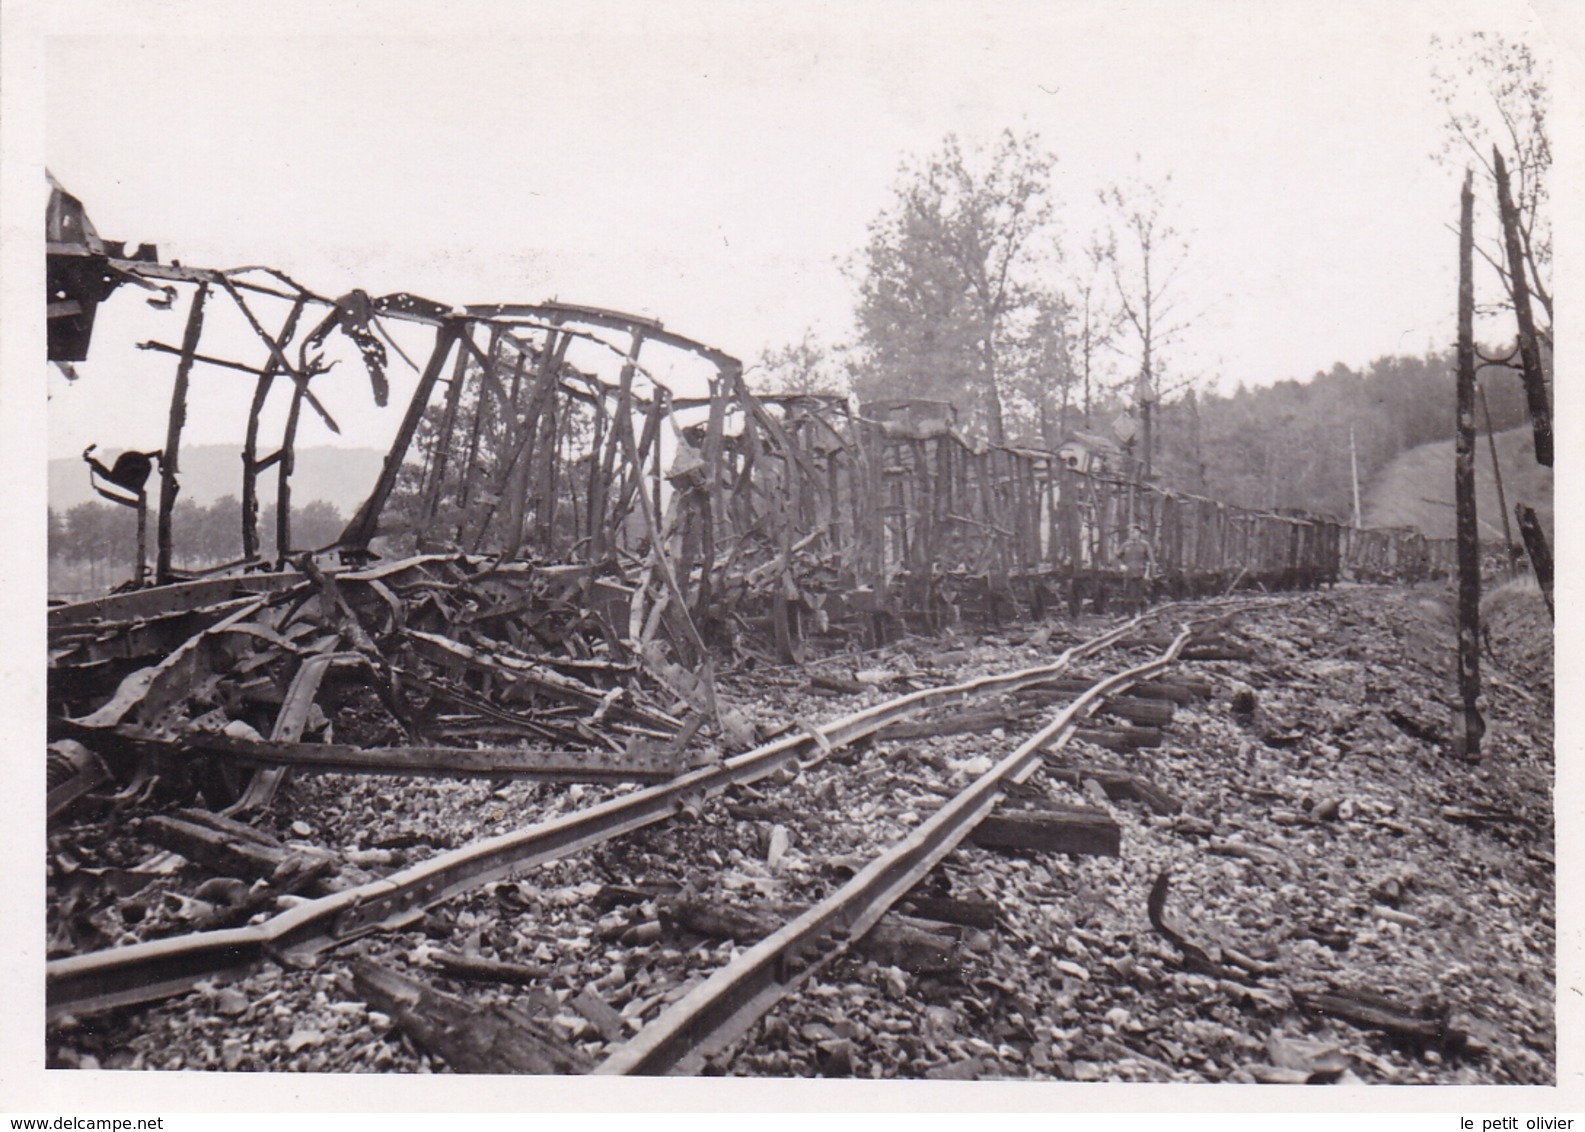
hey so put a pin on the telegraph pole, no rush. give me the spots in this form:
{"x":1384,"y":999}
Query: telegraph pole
{"x":1353,"y":462}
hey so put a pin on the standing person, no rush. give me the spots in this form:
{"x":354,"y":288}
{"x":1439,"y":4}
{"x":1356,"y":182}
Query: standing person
{"x":1138,"y":559}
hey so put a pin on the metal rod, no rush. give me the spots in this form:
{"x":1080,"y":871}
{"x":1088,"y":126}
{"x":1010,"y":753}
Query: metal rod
{"x":170,"y":461}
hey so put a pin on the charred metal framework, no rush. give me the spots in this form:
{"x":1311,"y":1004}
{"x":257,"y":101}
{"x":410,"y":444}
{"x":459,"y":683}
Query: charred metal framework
{"x":576,"y":497}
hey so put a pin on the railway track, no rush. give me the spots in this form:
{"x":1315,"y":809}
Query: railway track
{"x":729,"y":934}
{"x":735,"y":996}
{"x":85,"y":984}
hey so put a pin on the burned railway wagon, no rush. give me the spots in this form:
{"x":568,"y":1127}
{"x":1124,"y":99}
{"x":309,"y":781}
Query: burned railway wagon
{"x":578,"y":509}
{"x":1398,"y":554}
{"x":788,"y":516}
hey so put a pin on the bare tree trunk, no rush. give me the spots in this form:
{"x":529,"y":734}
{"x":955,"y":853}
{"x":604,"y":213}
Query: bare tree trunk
{"x":1147,"y":388}
{"x":1087,"y":406}
{"x":1496,"y":473}
{"x":993,"y":395}
{"x":1540,"y":553}
{"x":1464,"y":485}
{"x":1529,"y":352}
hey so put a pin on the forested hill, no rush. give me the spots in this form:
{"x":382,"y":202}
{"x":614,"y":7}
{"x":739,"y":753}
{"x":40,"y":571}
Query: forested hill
{"x":1283,"y":445}
{"x":1416,"y":489}
{"x":1287,"y":445}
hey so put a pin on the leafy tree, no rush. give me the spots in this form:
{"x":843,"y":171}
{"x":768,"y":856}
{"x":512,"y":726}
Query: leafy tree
{"x":102,"y":535}
{"x":220,"y":533}
{"x":317,"y":524}
{"x":1496,"y":95}
{"x":805,"y":366}
{"x":314,"y":524}
{"x":950,"y":281}
{"x":187,"y":532}
{"x":1288,"y":444}
{"x":1041,"y":379}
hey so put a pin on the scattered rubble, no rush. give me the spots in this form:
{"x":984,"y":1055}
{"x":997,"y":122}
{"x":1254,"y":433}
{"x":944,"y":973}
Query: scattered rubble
{"x":1378,"y":941}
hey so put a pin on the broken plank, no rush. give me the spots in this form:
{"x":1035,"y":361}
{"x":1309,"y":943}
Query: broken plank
{"x":1375,"y":1013}
{"x":963,"y":723}
{"x":1056,"y":690}
{"x":230,"y":827}
{"x":643,"y":763}
{"x":918,"y":947}
{"x":1143,"y":640}
{"x":468,"y":1038}
{"x":222,"y":853}
{"x":1145,"y":713}
{"x":478,"y":969}
{"x":1217,"y":650}
{"x":836,"y":684}
{"x":717,"y":921}
{"x":758,"y":811}
{"x":1124,"y":738}
{"x":968,"y":913}
{"x":618,"y":895}
{"x":1180,"y":689}
{"x":1475,"y":814}
{"x":551,"y":683}
{"x":299,"y":874}
{"x":914,"y":945}
{"x":1260,"y":854}
{"x":1066,"y":829}
{"x":611,"y":1025}
{"x":1120,"y":786}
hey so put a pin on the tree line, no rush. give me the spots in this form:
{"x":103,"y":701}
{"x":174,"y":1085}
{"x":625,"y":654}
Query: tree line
{"x":92,"y":544}
{"x":1295,"y":444}
{"x":970,"y":291}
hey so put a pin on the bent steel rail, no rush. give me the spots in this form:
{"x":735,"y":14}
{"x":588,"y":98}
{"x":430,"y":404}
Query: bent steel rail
{"x":146,"y":972}
{"x":723,"y":1007}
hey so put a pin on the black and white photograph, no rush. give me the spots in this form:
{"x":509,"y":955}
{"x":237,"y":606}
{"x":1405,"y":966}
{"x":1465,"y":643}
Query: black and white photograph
{"x":953,"y":555}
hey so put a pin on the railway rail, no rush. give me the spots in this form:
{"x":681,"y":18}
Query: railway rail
{"x":734,"y":997}
{"x":144,"y":972}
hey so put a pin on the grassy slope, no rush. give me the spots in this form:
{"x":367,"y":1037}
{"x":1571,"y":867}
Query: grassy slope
{"x":1416,"y":489}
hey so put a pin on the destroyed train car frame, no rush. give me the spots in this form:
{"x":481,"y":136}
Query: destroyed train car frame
{"x":579,"y":508}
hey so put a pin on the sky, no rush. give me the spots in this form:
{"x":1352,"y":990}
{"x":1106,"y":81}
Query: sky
{"x":715,"y":165}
